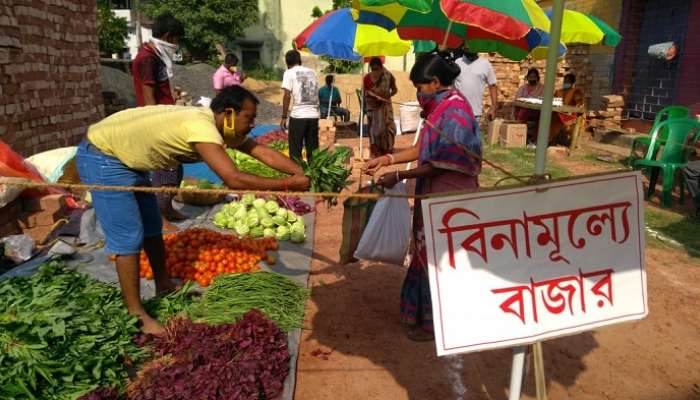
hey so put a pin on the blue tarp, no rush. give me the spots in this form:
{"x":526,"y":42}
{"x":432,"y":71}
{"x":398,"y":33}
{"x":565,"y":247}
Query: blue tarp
{"x":202,"y":170}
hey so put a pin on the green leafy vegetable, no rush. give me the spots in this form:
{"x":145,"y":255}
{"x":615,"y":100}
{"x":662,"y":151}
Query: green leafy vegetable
{"x":327,"y":171}
{"x":232,"y":295}
{"x":62,"y":335}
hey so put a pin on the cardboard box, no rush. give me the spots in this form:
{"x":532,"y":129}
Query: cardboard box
{"x":513,"y":134}
{"x":493,"y":132}
{"x":51,"y":203}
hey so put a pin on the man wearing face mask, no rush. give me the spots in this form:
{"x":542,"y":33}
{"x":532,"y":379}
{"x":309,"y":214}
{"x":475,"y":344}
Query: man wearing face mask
{"x":152,"y":70}
{"x":476,"y":74}
{"x":120,"y":151}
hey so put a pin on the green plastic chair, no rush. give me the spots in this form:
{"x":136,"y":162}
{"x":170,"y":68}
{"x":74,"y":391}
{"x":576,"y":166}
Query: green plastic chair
{"x":668,"y":113}
{"x":682,"y":134}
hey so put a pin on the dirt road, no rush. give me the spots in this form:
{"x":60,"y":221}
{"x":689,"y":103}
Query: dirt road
{"x":354,"y":346}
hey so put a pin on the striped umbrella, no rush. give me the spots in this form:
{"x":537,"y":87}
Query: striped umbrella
{"x":337,"y":35}
{"x":453,"y":22}
{"x":581,"y":28}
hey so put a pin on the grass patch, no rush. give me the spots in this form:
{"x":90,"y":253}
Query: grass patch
{"x":680,"y":228}
{"x":520,"y":162}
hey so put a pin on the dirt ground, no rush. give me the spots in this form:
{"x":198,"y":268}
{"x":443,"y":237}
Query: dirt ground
{"x":354,"y":347}
{"x":270,"y":94}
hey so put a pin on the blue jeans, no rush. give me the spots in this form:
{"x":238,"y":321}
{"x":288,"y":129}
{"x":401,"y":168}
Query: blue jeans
{"x":125,"y":217}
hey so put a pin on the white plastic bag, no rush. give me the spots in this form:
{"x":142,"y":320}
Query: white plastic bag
{"x":388,"y":231}
{"x":19,"y":248}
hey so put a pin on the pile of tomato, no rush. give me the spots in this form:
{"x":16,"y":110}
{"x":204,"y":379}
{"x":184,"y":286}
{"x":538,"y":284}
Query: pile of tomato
{"x":200,"y":255}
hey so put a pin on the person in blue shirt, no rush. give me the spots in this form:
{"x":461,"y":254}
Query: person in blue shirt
{"x":324,"y":97}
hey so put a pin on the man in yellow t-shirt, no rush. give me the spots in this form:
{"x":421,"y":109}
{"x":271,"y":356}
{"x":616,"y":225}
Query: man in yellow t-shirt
{"x":121,"y":150}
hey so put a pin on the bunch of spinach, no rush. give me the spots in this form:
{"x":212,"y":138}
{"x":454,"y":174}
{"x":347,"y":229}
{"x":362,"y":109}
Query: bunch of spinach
{"x":62,"y":334}
{"x":327,"y":171}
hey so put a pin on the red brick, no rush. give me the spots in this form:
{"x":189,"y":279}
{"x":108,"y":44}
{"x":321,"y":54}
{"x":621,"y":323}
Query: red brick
{"x":39,"y":234}
{"x":51,"y":203}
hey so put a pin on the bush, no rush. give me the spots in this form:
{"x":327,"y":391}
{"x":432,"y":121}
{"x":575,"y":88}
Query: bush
{"x":112,"y":31}
{"x":263,"y":73}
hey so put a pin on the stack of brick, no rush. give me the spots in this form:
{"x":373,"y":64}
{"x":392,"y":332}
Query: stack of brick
{"x":610,"y":117}
{"x":50,"y":89}
{"x":112,"y":103}
{"x":326,"y":133}
{"x":39,"y":216}
{"x":511,"y":75}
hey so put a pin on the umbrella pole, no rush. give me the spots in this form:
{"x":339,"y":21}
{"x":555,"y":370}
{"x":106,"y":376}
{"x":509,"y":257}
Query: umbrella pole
{"x":540,"y":161}
{"x":362,"y":109}
{"x":330,"y":102}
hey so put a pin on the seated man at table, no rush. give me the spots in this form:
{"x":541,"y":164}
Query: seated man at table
{"x":532,"y":89}
{"x":324,"y":97}
{"x":563,"y":124}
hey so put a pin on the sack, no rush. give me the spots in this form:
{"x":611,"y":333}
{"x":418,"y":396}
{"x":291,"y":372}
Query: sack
{"x":51,"y":163}
{"x":356,"y":214}
{"x":388,"y":231}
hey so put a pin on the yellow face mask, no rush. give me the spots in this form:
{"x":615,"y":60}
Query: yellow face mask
{"x":229,"y":123}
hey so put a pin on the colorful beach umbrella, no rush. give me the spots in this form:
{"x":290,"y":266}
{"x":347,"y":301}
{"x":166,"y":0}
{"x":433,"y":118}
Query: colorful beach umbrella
{"x":415,"y":5}
{"x":581,"y":28}
{"x":453,"y":22}
{"x":337,"y":35}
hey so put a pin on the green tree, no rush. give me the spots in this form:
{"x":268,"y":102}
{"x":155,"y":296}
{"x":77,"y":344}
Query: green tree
{"x":316,"y":12}
{"x":112,"y":31}
{"x":207,"y":22}
{"x":341,"y":4}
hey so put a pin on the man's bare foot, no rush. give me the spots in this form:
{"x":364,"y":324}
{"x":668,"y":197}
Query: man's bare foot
{"x":172,"y":214}
{"x":150,"y":326}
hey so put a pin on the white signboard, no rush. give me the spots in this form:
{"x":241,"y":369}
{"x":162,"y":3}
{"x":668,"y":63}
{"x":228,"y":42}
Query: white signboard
{"x":521,"y":265}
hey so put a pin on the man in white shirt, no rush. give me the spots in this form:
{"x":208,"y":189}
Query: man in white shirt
{"x":301,"y":84}
{"x":476,"y":74}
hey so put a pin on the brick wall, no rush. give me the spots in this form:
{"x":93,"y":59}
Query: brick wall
{"x":511,"y":75}
{"x":49,"y":73}
{"x":688,"y":77}
{"x":656,"y":83}
{"x":601,"y":59}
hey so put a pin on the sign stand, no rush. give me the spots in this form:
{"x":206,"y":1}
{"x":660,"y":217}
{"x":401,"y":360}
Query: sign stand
{"x":540,"y":161}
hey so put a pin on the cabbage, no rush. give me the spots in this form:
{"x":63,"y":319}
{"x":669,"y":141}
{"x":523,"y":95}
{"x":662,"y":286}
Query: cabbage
{"x":257,"y":232}
{"x":297,"y":237}
{"x":291,"y":216}
{"x":240,"y":214}
{"x":279,"y":221}
{"x":259,"y":203}
{"x":262,"y":213}
{"x":269,"y":232}
{"x":300,"y":222}
{"x":267,"y":222}
{"x":282,"y":212}
{"x":231,"y":224}
{"x":297,"y":226}
{"x":220,"y":218}
{"x":272,"y":206}
{"x":282,"y":233}
{"x":248,"y":199}
{"x":242,"y":230}
{"x":252,"y":220}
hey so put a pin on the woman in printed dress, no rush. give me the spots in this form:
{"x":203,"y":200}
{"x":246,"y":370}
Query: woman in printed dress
{"x":443,"y":165}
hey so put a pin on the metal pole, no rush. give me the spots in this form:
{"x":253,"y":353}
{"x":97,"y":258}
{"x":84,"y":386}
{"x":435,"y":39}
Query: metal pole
{"x":516,"y":377}
{"x":516,"y":373}
{"x":549,"y":81}
{"x":362,"y":108}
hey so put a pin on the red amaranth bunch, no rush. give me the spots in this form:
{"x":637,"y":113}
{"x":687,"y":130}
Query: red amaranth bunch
{"x":237,"y":361}
{"x":102,"y":394}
